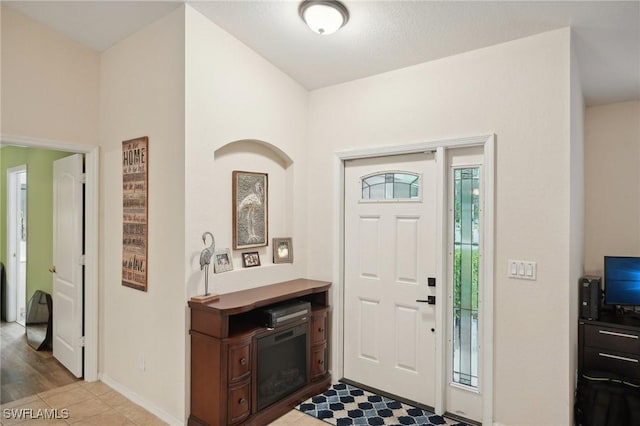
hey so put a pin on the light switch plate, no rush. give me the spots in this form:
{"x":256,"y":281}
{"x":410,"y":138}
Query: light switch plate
{"x":522,"y":269}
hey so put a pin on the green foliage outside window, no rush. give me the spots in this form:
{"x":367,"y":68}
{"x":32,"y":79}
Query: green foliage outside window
{"x":457,"y":280}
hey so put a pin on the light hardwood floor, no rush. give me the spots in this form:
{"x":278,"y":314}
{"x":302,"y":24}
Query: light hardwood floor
{"x":24,"y":371}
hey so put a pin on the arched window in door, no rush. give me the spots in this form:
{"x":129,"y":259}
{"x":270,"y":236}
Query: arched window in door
{"x":391,"y":185}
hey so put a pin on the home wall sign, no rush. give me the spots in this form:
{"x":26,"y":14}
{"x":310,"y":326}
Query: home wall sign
{"x":135,"y":212}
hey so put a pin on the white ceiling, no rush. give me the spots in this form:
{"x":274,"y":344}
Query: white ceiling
{"x":382,"y":35}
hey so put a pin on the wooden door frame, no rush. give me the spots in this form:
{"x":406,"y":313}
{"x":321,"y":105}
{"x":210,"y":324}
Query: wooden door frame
{"x":487,"y":142}
{"x":91,"y":235}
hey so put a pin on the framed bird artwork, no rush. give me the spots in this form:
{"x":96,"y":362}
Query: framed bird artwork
{"x":250,"y":209}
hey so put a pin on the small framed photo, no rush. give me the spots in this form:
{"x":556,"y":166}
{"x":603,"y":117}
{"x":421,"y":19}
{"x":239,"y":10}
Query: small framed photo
{"x":250,"y":259}
{"x":282,"y":250}
{"x":222,"y":261}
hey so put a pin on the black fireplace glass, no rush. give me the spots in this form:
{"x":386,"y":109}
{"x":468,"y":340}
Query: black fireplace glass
{"x":282,"y":363}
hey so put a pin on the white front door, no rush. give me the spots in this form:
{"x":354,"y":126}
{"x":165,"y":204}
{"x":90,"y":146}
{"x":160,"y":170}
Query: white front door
{"x":390,"y":242}
{"x":67,"y":258}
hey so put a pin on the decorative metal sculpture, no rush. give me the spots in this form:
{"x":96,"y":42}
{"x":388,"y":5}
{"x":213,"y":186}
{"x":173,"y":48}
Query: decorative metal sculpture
{"x":205,"y":261}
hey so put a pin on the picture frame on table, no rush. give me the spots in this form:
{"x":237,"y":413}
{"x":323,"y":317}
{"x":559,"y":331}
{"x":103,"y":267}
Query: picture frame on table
{"x":222,"y":261}
{"x":282,"y":250}
{"x":250,"y":259}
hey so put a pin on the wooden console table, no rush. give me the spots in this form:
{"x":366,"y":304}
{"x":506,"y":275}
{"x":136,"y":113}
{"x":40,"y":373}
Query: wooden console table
{"x":224,"y":353}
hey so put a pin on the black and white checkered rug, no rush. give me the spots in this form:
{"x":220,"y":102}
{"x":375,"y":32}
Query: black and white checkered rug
{"x":343,"y":405}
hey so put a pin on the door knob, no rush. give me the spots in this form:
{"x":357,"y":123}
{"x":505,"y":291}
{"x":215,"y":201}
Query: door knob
{"x":430,"y":300}
{"x":52,"y":269}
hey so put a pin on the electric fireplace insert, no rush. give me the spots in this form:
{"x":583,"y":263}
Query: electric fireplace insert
{"x":282,"y":363}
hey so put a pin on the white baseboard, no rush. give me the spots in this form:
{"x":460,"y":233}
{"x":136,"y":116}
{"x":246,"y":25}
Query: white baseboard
{"x":141,"y":401}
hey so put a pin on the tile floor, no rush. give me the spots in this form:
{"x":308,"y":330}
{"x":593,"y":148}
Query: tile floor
{"x":97,"y":404}
{"x":298,"y":418}
{"x":51,"y":387}
{"x":79,"y":403}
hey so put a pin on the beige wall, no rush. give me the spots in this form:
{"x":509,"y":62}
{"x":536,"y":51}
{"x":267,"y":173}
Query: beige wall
{"x":57,"y":90}
{"x":49,"y":83}
{"x":233,"y":94}
{"x":193,"y":89}
{"x":612,"y":182}
{"x":142,"y":94}
{"x":520,"y":91}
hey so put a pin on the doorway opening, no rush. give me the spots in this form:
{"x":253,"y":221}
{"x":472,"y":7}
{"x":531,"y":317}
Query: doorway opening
{"x":91,"y":213}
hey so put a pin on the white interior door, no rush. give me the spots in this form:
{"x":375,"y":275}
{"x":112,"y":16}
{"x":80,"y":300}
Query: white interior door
{"x":67,"y":257}
{"x":390,"y":240}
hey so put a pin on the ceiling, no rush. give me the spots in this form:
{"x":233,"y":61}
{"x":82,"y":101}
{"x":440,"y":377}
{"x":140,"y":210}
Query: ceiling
{"x":382,"y":35}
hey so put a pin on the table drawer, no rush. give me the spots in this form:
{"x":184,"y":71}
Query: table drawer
{"x":239,"y":403}
{"x":318,"y":327}
{"x":318,"y":361}
{"x":239,"y":362}
{"x":624,"y":364}
{"x":614,"y":339}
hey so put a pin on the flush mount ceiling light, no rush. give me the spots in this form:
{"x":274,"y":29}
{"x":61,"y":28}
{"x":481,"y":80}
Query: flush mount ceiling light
{"x":323,"y":16}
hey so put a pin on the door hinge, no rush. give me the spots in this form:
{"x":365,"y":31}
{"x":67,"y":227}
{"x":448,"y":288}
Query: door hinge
{"x":81,"y":342}
{"x":82,"y":259}
{"x":83,"y":178}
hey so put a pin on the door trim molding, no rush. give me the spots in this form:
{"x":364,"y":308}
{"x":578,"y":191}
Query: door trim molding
{"x":441,"y":267}
{"x":92,"y":195}
{"x":488,"y":264}
{"x":487,"y":141}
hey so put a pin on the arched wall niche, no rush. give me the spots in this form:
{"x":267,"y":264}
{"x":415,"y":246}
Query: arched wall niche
{"x":260,"y":147}
{"x":251,"y":155}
